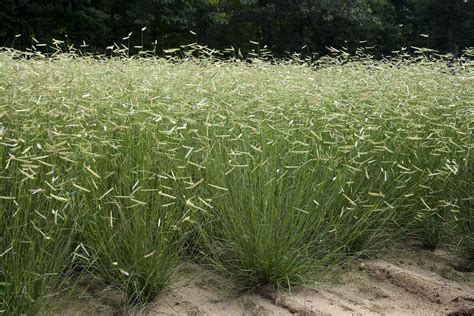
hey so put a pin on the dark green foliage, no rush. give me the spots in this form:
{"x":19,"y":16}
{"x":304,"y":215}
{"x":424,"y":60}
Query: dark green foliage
{"x":282,"y":26}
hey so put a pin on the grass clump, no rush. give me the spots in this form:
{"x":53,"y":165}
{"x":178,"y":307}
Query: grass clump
{"x":35,"y":241}
{"x":461,"y":204}
{"x":135,"y":231}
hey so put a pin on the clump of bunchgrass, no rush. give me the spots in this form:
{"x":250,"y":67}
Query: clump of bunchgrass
{"x":460,"y":203}
{"x":36,"y":242}
{"x":134,"y":226}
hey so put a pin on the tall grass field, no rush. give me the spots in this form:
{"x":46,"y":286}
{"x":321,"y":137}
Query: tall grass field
{"x":269,"y":172}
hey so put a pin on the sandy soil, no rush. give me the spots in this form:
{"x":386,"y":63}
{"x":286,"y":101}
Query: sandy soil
{"x":401,"y":282}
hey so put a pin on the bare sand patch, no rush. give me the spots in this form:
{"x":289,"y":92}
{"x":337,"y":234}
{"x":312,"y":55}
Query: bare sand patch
{"x":400,"y":282}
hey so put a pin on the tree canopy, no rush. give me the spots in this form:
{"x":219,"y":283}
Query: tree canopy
{"x":282,"y":26}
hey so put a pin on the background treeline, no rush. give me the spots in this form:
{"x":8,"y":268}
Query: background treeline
{"x":306,"y":26}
